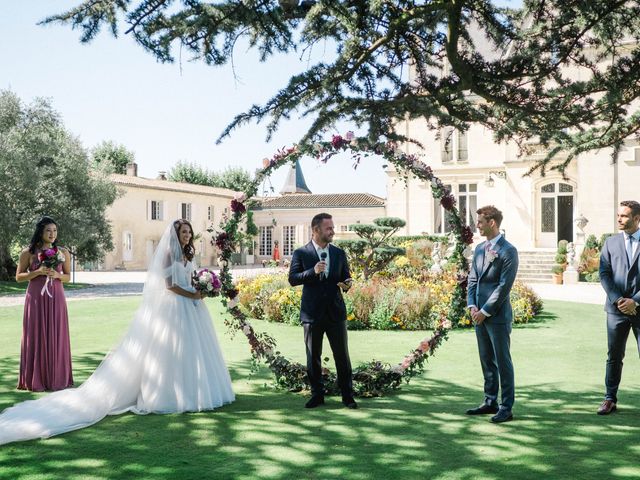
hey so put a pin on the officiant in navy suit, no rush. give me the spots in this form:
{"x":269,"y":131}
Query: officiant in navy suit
{"x":323,"y":271}
{"x":491,"y":276}
{"x":620,"y":278}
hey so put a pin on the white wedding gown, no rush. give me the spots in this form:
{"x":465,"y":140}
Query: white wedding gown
{"x":169,"y":361}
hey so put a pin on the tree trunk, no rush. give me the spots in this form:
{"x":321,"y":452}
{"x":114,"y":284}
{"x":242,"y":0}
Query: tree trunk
{"x":7,"y":266}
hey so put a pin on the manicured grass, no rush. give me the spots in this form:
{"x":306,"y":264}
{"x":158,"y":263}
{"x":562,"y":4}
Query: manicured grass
{"x":12,"y":288}
{"x":420,"y":432}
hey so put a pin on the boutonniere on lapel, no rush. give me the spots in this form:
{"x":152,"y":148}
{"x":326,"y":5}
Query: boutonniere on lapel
{"x":491,"y":255}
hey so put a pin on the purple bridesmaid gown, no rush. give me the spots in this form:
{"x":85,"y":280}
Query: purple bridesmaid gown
{"x":45,"y":357}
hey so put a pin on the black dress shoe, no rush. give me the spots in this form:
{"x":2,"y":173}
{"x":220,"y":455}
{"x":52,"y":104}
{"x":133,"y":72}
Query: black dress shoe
{"x":483,"y":409}
{"x":314,"y":401}
{"x":502,"y":416}
{"x":349,"y":402}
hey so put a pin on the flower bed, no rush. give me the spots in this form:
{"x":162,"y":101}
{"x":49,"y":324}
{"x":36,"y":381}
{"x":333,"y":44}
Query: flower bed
{"x":401,"y":303}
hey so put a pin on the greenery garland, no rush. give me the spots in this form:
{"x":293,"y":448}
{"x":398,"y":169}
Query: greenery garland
{"x":373,"y":378}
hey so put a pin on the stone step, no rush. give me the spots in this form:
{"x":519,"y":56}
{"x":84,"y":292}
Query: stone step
{"x":536,"y":271}
{"x":525,"y":269}
{"x":536,"y":259}
{"x":534,"y":274}
{"x":533,"y":279}
{"x":536,"y":265}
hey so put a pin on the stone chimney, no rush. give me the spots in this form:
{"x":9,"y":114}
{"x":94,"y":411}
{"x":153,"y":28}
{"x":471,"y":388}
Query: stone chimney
{"x":162,"y":175}
{"x":132,"y":169}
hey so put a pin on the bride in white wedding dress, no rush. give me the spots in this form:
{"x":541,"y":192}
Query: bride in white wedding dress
{"x":169,"y":361}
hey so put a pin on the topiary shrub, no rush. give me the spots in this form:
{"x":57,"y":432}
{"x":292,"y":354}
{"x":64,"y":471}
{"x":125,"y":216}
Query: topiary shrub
{"x":562,"y":246}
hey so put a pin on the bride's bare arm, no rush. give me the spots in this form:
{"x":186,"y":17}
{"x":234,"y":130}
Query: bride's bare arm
{"x":185,"y":293}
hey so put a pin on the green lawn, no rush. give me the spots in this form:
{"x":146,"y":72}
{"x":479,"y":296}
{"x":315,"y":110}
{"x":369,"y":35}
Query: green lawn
{"x":420,"y":432}
{"x":13,"y":287}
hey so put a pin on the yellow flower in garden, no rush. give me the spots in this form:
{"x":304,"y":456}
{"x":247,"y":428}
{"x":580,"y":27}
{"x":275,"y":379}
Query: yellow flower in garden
{"x":351,"y":317}
{"x":407,"y":283}
{"x":401,"y":261}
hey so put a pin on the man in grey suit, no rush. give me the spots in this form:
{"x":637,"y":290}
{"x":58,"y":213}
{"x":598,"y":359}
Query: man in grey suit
{"x":620,"y":278}
{"x":492,"y":273}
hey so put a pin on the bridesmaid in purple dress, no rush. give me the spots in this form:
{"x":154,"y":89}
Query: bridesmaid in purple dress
{"x":45,"y":357}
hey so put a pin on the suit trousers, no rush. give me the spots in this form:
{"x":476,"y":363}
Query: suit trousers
{"x":494,"y":344}
{"x":337,"y":335}
{"x":618,"y":326}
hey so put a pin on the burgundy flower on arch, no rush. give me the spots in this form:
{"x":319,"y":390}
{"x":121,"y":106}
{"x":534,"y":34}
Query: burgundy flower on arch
{"x":428,"y":172}
{"x":338,"y":142}
{"x":448,"y":201}
{"x":222,"y":240}
{"x":467,"y":235}
{"x":237,"y":207}
{"x":463,"y":280}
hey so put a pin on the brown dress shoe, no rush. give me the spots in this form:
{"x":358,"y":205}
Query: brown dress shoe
{"x":607,"y":407}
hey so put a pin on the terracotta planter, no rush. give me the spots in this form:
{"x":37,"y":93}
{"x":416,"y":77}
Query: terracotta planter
{"x":557,"y":278}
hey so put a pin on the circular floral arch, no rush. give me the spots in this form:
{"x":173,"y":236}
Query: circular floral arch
{"x":372,"y":378}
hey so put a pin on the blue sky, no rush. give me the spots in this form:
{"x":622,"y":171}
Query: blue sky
{"x":111,"y":89}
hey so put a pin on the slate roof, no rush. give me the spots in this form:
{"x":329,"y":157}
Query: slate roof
{"x":157,"y":184}
{"x":321,"y":200}
{"x":295,"y":181}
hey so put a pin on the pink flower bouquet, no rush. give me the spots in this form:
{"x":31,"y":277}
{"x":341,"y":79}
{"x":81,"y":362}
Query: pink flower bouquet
{"x":206,"y":282}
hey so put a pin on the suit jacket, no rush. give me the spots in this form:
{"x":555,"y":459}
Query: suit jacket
{"x":321,"y":297}
{"x":490,"y":283}
{"x":617,"y":277}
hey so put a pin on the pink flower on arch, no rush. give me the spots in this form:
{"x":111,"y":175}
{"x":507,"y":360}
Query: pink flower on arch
{"x":405,"y":363}
{"x":424,"y":346}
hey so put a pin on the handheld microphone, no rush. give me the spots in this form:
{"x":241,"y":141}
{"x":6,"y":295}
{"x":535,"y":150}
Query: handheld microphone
{"x":323,"y":257}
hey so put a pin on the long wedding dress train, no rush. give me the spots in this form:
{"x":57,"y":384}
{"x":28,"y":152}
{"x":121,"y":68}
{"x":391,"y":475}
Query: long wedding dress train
{"x":169,"y":361}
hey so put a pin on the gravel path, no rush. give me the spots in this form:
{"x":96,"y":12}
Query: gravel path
{"x":122,"y":284}
{"x":117,"y":284}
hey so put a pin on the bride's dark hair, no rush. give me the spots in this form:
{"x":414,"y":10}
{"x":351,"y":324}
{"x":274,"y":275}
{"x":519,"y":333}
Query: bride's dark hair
{"x":188,"y":250}
{"x":36,"y":239}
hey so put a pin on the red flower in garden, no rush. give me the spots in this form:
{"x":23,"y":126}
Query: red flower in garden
{"x":448,"y":201}
{"x":467,"y":235}
{"x":237,"y":207}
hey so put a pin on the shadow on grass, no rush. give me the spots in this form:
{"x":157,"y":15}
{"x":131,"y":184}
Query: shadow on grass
{"x":543,"y":319}
{"x":420,"y":432}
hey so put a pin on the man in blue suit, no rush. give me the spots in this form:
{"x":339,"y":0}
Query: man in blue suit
{"x":492,"y":273}
{"x":620,"y":278}
{"x":323,"y":271}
